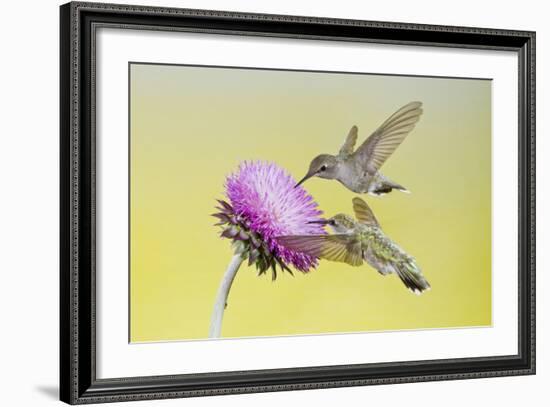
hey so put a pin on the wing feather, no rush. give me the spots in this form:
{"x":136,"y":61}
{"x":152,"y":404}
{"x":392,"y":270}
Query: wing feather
{"x":341,"y":248}
{"x":349,"y":144}
{"x":363,"y":212}
{"x":381,"y":144}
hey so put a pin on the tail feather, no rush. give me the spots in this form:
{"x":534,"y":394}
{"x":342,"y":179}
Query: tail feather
{"x":412,"y":277}
{"x":387,"y":186}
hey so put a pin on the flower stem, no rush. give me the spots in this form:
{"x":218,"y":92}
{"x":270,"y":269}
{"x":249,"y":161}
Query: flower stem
{"x":221,"y":298}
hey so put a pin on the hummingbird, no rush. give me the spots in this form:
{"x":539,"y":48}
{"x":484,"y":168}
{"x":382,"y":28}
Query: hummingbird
{"x":359,"y":170}
{"x":360,"y":239}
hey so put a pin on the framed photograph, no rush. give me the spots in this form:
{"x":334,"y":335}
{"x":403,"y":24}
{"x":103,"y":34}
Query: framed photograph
{"x":255,"y":203}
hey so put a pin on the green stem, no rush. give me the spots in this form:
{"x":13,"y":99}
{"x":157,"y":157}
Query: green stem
{"x":223,"y":293}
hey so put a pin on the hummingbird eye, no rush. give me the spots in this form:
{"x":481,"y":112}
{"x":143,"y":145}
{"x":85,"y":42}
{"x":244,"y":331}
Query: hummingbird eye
{"x":332,"y":222}
{"x":323,"y":168}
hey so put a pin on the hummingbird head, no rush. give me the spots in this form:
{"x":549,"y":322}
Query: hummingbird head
{"x":322,"y":166}
{"x":340,"y":223}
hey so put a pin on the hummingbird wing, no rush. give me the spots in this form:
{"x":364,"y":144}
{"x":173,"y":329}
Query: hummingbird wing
{"x":384,"y":141}
{"x":341,"y":248}
{"x":363,"y":212}
{"x":349,"y":144}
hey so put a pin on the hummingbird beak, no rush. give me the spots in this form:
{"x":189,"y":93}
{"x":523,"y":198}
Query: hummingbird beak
{"x":320,"y":221}
{"x":308,"y":176}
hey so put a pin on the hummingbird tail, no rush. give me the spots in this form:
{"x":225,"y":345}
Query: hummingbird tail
{"x":387,"y":186}
{"x":412,"y":277}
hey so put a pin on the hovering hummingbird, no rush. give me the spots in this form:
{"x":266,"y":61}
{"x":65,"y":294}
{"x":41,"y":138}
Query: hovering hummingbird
{"x":358,"y":240}
{"x":359,"y":170}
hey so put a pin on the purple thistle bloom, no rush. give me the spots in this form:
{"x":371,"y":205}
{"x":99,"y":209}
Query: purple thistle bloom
{"x":263,"y":198}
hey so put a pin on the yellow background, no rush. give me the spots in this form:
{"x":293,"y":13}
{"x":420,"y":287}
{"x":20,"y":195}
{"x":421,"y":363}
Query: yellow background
{"x":191,"y":126}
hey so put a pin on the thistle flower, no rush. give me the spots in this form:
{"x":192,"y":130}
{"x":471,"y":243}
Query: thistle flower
{"x":263,"y":204}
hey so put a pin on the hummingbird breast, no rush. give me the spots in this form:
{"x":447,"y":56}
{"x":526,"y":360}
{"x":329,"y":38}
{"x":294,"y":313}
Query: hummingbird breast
{"x":381,"y":265}
{"x":353,"y":177}
{"x":380,"y":252}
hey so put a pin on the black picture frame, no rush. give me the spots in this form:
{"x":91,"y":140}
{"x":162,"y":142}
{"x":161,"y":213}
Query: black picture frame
{"x":78,"y":382}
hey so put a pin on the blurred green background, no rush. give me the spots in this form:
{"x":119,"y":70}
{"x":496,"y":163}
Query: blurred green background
{"x":191,"y":126}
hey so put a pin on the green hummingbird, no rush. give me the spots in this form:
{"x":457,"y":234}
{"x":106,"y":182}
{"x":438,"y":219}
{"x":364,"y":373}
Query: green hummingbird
{"x":358,"y":240}
{"x":359,"y":170}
